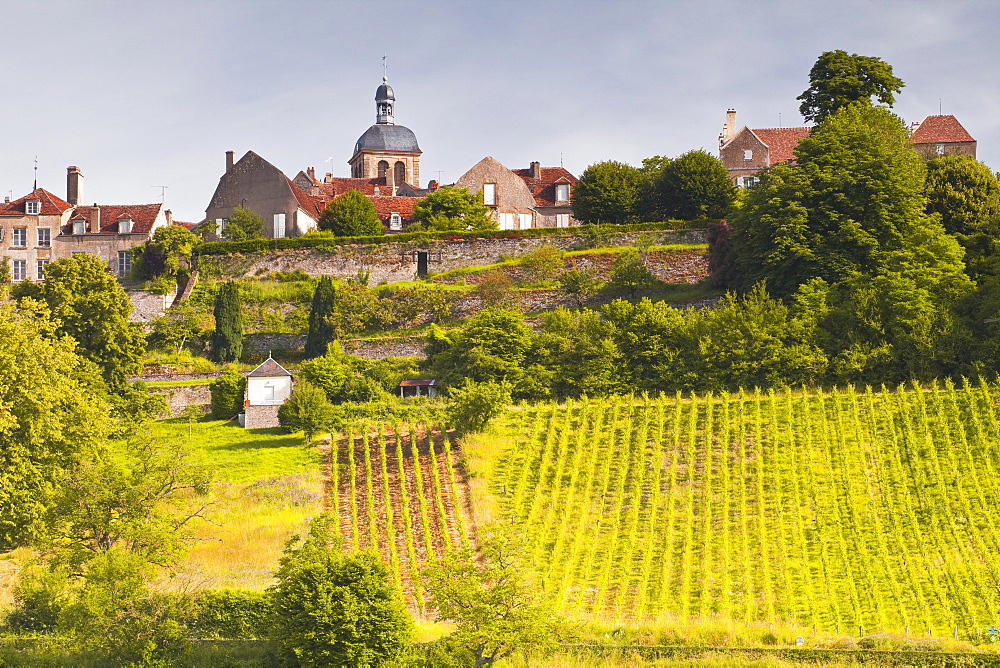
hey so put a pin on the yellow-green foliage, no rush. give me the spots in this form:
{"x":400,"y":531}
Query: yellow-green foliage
{"x":852,"y":511}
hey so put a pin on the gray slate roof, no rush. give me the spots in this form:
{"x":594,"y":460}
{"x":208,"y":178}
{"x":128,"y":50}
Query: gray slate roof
{"x":269,"y":368}
{"x":385,"y":137}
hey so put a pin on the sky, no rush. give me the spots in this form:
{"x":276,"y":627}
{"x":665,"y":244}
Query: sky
{"x":142,"y":94}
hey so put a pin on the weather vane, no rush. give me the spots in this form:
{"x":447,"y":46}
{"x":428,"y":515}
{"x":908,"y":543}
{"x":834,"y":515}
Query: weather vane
{"x":385,"y":67}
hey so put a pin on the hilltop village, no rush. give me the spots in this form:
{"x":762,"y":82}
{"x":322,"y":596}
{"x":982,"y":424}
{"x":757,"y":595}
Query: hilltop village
{"x":734,"y":406}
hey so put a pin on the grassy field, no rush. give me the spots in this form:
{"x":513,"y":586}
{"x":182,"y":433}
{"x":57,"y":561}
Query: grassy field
{"x":268,"y":485}
{"x":850,"y":512}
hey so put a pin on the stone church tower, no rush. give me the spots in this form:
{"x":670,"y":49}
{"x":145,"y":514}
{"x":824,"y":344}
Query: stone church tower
{"x":387,"y":149}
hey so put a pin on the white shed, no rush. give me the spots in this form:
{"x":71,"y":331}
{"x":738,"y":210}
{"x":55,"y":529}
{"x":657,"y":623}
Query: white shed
{"x":268,"y":386}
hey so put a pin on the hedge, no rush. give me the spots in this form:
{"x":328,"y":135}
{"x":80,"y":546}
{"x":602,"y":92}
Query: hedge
{"x":329,"y":242}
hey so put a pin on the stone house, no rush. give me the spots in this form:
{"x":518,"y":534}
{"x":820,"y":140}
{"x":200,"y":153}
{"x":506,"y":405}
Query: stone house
{"x":27,"y":228}
{"x":268,"y":387}
{"x":746,"y":151}
{"x":504,"y":192}
{"x":941,"y":135}
{"x":552,"y":189}
{"x":394,"y":205}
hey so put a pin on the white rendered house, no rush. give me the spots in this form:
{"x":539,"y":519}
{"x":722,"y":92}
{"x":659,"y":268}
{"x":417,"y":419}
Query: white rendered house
{"x":268,"y":386}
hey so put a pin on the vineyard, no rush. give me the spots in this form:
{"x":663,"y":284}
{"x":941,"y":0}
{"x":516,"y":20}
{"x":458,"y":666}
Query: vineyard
{"x":838,"y":511}
{"x":397,"y":491}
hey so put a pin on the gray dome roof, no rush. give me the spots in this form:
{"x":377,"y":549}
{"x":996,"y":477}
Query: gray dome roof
{"x":384,"y":137}
{"x":384,"y":92}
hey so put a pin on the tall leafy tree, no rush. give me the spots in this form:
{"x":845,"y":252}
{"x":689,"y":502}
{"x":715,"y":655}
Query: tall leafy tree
{"x":453,"y":208}
{"x":693,"y":185}
{"x":163,"y":254}
{"x":243,"y":225}
{"x":964,"y":191}
{"x":227,"y":341}
{"x":307,"y":410}
{"x":321,"y":327}
{"x":839,"y":79}
{"x":608,"y":192}
{"x":89,"y":305}
{"x":351,"y":215}
{"x":53,"y":411}
{"x":336,"y":609}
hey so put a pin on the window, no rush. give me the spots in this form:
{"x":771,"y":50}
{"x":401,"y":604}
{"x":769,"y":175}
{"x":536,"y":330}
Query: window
{"x":1,"y":234}
{"x":32,"y":207}
{"x":124,"y":262}
{"x":399,"y":174}
{"x":44,"y":237}
{"x":749,"y":181}
{"x":124,"y":225}
{"x":41,"y":264}
{"x":383,"y":167}
{"x":748,"y":154}
{"x":19,"y":270}
{"x":506,"y":221}
{"x":562,"y":220}
{"x":79,"y":227}
{"x":939,"y":149}
{"x":279,"y":226}
{"x":562,"y":192}
{"x":490,"y":194}
{"x":395,"y":221}
{"x":20,"y":237}
{"x":219,"y":225}
{"x":525,"y":221}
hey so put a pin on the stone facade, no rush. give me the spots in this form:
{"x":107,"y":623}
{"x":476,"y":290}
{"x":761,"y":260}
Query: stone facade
{"x":28,"y":227}
{"x":745,"y":151}
{"x":260,"y":417}
{"x":179,"y":398}
{"x":941,"y":135}
{"x":503,"y":191}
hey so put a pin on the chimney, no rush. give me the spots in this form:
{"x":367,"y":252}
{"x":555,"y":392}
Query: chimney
{"x":729,"y":129}
{"x":311,"y":173}
{"x":74,"y":185}
{"x":95,"y":219}
{"x":169,"y":215}
{"x":229,"y":161}
{"x":328,"y":178}
{"x":536,"y":171}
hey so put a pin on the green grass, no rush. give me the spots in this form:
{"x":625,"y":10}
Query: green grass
{"x":850,"y":511}
{"x":241,"y":455}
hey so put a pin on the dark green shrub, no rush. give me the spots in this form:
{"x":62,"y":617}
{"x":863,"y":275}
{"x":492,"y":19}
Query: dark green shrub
{"x":233,"y":614}
{"x":227,"y":394}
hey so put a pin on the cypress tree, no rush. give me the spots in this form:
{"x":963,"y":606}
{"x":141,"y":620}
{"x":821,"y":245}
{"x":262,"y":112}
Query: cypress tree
{"x":227,"y":342}
{"x":320,"y":324}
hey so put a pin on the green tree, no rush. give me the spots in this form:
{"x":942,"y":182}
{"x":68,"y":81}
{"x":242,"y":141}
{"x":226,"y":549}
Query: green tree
{"x":693,"y":185}
{"x":243,"y":225}
{"x":332,"y":608}
{"x":351,"y":215}
{"x":89,"y":305}
{"x":472,"y":406}
{"x":854,"y":204}
{"x":321,"y":331}
{"x":493,"y":346}
{"x":608,"y":192}
{"x":839,"y":79}
{"x":542,"y":263}
{"x":496,"y":611}
{"x":227,"y":340}
{"x":495,"y":289}
{"x":227,"y":394}
{"x":453,"y":208}
{"x":629,"y":272}
{"x":580,"y":284}
{"x":308,"y":410}
{"x":164,"y":253}
{"x":964,"y":191}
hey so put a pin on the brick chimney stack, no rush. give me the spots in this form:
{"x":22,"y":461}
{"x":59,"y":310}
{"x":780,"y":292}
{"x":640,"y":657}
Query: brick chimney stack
{"x":229,"y":161}
{"x":536,"y":170}
{"x":74,"y":185}
{"x":169,"y":215}
{"x":311,"y":173}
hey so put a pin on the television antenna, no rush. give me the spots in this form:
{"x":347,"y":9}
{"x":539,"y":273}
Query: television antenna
{"x":163,"y":192}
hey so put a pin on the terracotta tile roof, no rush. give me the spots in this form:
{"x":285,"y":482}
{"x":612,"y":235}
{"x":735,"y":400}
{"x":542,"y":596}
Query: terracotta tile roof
{"x":339,"y":185}
{"x":939,"y":130}
{"x":386,"y":206}
{"x":269,"y":368}
{"x":781,"y":142}
{"x":50,"y":204}
{"x":143,"y":216}
{"x":418,"y":382}
{"x":186,"y":225}
{"x":543,"y":189}
{"x":307,"y":203}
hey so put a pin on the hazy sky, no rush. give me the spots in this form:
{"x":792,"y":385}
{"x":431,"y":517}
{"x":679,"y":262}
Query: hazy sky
{"x":143,"y":94}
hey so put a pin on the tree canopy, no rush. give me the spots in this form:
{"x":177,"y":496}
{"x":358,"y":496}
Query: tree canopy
{"x":243,"y":225}
{"x":839,"y":79}
{"x":964,"y":191}
{"x":89,"y":305}
{"x":453,"y":208}
{"x":693,"y":185}
{"x":227,"y":341}
{"x":351,"y":215}
{"x":161,"y":255}
{"x":608,"y":192}
{"x":321,"y":327}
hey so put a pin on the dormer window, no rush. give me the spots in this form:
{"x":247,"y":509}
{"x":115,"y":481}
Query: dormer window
{"x":79,"y":226}
{"x":562,"y":192}
{"x":33,"y":207}
{"x":395,"y":222}
{"x":490,"y":194}
{"x":124,"y":225}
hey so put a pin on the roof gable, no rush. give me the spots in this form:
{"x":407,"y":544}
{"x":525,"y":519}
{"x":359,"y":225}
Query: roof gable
{"x":50,"y":204}
{"x":268,"y":369}
{"x":781,"y":142}
{"x":144,"y":217}
{"x":940,"y":129}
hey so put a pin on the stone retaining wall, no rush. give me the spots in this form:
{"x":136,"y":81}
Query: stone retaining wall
{"x":179,"y":398}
